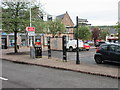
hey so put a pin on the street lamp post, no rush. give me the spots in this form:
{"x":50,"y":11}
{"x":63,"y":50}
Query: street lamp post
{"x":30,"y":25}
{"x":30,"y":13}
{"x":77,"y":57}
{"x":77,"y":23}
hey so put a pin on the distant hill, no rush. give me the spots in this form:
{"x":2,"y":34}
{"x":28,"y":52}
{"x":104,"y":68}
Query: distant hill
{"x":103,"y":26}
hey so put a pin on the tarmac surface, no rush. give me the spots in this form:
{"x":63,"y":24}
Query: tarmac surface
{"x":23,"y":58}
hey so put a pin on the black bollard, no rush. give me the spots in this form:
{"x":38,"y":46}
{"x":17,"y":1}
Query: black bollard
{"x":64,"y":49}
{"x":49,"y":49}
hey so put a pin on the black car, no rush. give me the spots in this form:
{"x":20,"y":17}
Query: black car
{"x":99,"y":43}
{"x":107,"y":52}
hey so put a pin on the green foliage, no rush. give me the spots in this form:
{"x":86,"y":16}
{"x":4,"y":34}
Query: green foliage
{"x":37,"y":19}
{"x":117,"y":29}
{"x":103,"y":34}
{"x":102,"y":27}
{"x":14,"y":16}
{"x":39,"y":25}
{"x":117,"y":26}
{"x":18,"y":15}
{"x":84,"y":33}
{"x":56,"y":27}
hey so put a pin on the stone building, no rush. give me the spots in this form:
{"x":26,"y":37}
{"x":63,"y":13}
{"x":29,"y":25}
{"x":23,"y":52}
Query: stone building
{"x":67,"y":21}
{"x":69,"y":33}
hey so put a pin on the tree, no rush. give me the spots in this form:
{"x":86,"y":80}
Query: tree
{"x":56,"y":27}
{"x":37,"y":19}
{"x":118,"y":29}
{"x":103,"y":33}
{"x":14,"y":18}
{"x":39,"y":25}
{"x":95,"y":34}
{"x":84,"y":33}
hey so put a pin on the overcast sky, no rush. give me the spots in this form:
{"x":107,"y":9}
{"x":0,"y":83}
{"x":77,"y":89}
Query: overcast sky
{"x":97,"y":12}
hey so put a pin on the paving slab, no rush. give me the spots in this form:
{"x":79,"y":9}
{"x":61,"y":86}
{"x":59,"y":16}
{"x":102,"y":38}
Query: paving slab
{"x":59,"y":64}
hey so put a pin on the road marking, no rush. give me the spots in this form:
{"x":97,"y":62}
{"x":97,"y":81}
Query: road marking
{"x":3,"y":78}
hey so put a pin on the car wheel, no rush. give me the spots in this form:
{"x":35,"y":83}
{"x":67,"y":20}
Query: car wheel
{"x":70,"y":49}
{"x":98,"y":59}
{"x":87,"y":49}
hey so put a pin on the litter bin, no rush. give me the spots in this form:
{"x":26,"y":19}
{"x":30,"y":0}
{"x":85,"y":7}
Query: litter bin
{"x":38,"y":51}
{"x":18,"y":46}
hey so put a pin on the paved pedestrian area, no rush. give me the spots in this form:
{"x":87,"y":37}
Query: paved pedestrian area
{"x":22,"y":57}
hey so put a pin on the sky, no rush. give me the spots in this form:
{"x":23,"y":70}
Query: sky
{"x":97,"y":12}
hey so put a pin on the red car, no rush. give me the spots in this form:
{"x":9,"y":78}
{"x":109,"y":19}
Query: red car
{"x":86,"y":46}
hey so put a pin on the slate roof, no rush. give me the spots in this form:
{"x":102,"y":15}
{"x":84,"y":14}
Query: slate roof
{"x":60,"y":16}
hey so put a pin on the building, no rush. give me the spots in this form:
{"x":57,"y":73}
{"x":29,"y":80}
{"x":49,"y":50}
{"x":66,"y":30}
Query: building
{"x":0,"y":38}
{"x":67,"y":21}
{"x":119,"y":11}
{"x":114,"y":34}
{"x":24,"y":39}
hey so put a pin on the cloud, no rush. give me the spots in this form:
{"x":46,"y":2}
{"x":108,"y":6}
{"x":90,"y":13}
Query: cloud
{"x":101,"y":11}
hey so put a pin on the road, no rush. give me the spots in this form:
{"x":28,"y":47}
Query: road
{"x":86,"y":57}
{"x":31,"y":76}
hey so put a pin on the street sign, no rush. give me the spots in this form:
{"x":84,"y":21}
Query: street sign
{"x":30,"y":29}
{"x":31,"y":33}
{"x":82,"y":20}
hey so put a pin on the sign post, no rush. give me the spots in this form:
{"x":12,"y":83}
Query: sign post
{"x":77,"y":57}
{"x":31,"y":32}
{"x":49,"y":48}
{"x":32,"y":29}
{"x":82,"y":20}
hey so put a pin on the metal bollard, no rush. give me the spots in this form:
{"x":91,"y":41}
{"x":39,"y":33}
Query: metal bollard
{"x":64,"y":49}
{"x":32,"y":52}
{"x":49,"y":49}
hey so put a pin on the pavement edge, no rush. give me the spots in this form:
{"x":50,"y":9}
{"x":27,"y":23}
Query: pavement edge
{"x":61,"y":68}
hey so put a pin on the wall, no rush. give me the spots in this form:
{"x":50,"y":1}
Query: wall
{"x":119,"y":11}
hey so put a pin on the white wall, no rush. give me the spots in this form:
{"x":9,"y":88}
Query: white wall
{"x":119,"y":11}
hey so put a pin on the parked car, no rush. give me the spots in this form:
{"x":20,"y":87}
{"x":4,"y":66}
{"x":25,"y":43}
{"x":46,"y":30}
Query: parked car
{"x":99,"y":43}
{"x":91,"y":43}
{"x":107,"y":52}
{"x":72,"y":45}
{"x":86,"y":46}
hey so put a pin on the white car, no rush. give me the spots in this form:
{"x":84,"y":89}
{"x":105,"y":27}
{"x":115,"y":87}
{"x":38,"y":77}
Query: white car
{"x":72,"y":44}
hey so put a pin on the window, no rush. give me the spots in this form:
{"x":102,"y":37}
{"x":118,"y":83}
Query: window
{"x":23,"y":43}
{"x":45,"y":40}
{"x":113,"y":48}
{"x":118,"y":49}
{"x":104,"y":47}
